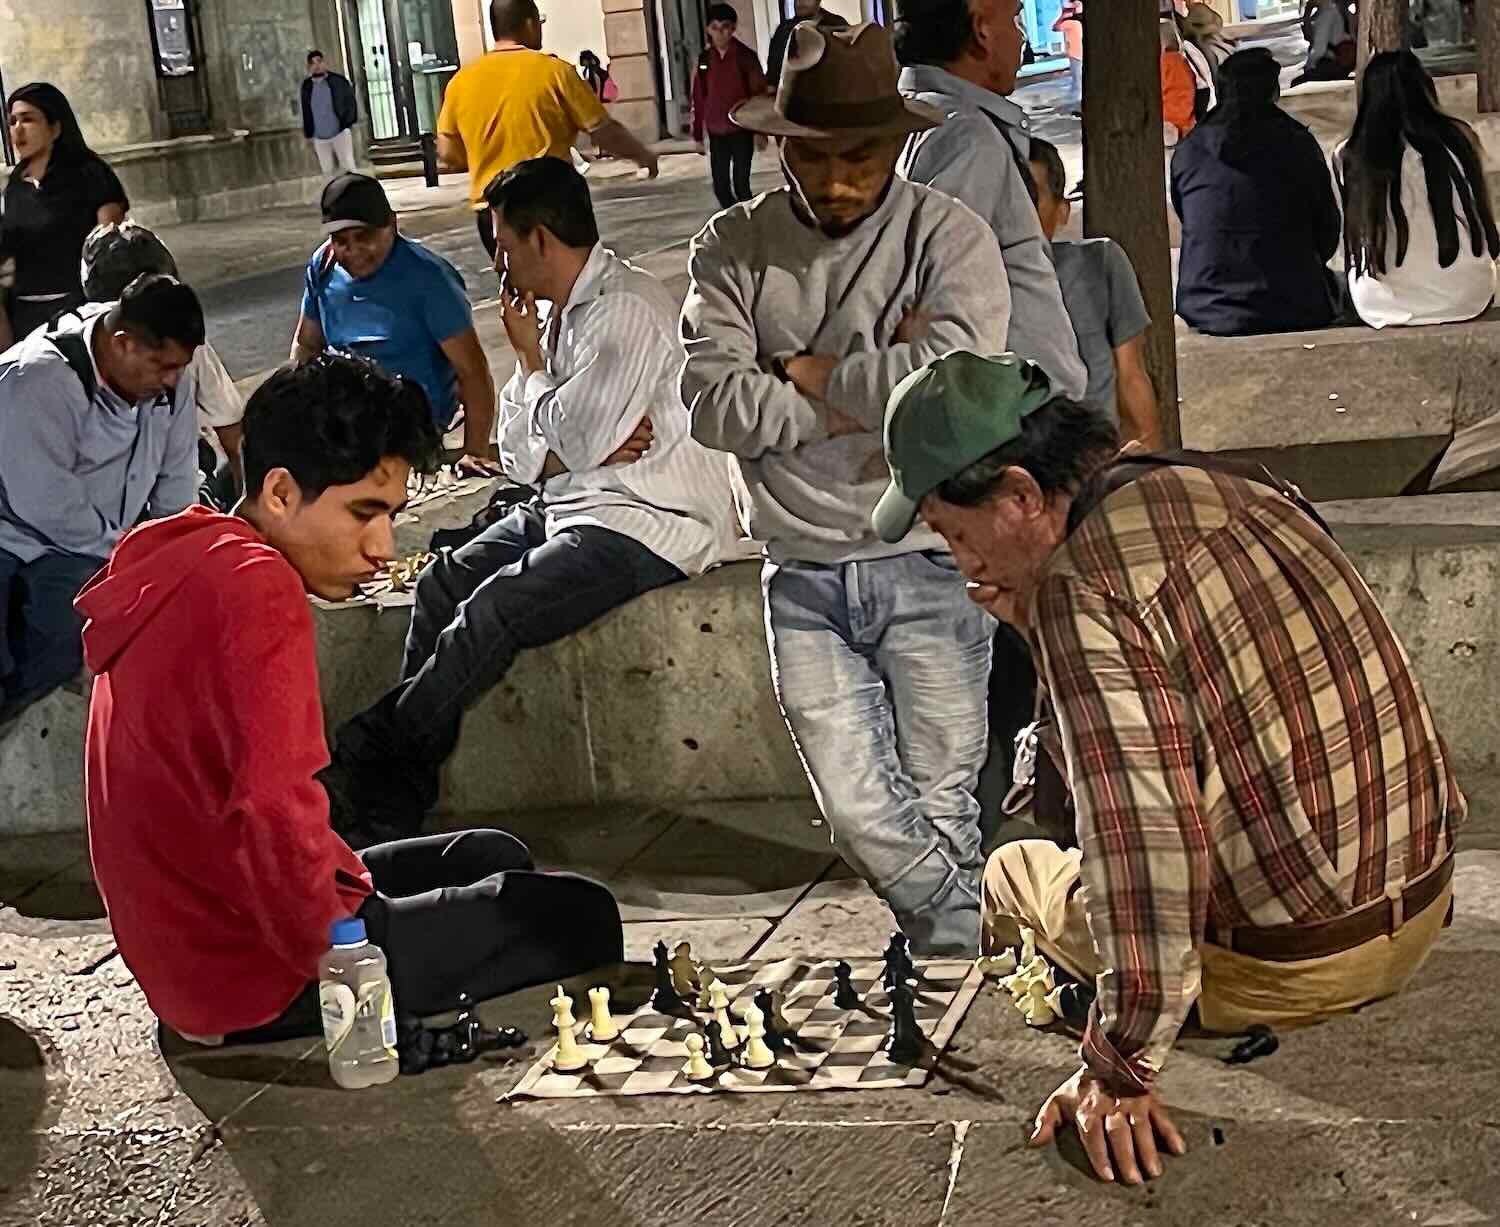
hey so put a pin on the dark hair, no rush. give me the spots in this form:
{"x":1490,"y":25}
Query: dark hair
{"x":1061,"y":445}
{"x":509,"y":17}
{"x":1398,"y":107}
{"x":314,"y":55}
{"x":115,"y":255}
{"x":331,"y":421}
{"x":155,"y":308}
{"x":1045,"y":155}
{"x":1249,"y":82}
{"x":545,"y":192}
{"x":938,"y":34}
{"x":53,"y":103}
{"x":722,"y":12}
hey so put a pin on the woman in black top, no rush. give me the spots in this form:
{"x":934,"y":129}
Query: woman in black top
{"x":59,"y":191}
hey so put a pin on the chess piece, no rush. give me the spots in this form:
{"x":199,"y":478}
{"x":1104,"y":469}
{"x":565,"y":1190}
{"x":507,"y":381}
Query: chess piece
{"x":995,"y":966}
{"x":844,"y":995}
{"x":756,"y":1055}
{"x":706,"y":979}
{"x":665,"y":999}
{"x":904,"y":1044}
{"x":1035,"y":1007}
{"x":718,"y":1002}
{"x":777,"y":1038}
{"x":1028,"y":946}
{"x":602,"y":1027}
{"x":697,"y":1068}
{"x":718,"y":1055}
{"x":569,"y":1056}
{"x":684,"y":971}
{"x":898,"y":964}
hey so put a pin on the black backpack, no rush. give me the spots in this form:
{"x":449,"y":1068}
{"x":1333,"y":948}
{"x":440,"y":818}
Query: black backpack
{"x":65,"y":330}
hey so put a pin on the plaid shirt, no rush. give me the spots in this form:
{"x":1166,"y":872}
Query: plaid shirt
{"x":1244,"y":740}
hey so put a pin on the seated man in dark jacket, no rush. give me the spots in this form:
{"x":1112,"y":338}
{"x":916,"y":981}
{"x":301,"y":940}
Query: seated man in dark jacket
{"x":1259,"y":217}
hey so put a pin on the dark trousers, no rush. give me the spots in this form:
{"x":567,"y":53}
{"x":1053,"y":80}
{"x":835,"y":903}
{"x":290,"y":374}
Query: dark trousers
{"x":27,"y":317}
{"x":477,"y":607}
{"x":40,"y":644}
{"x":466,"y":914}
{"x":729,"y":159}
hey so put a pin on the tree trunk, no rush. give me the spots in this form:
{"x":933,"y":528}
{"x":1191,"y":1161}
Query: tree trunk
{"x":1382,"y":27}
{"x":1487,"y":45}
{"x":1123,"y":171}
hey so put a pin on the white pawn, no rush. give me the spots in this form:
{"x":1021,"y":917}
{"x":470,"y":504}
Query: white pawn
{"x":569,"y":1056}
{"x":1028,"y":946}
{"x":718,"y":1002}
{"x":697,"y":1068}
{"x":757,"y":1054}
{"x":602,"y":1027}
{"x":1035,"y":1007}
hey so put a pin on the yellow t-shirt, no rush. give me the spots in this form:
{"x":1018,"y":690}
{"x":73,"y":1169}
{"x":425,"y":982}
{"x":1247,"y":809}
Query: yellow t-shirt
{"x":513,"y":105}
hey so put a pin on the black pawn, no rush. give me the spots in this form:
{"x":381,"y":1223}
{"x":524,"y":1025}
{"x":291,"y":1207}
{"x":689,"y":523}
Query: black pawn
{"x":844,"y":995}
{"x":718,"y":1056}
{"x":776,"y":1038}
{"x":666,"y":999}
{"x":904,"y":1044}
{"x":896,"y":962}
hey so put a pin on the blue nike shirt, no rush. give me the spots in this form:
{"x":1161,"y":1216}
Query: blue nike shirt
{"x":399,"y":316}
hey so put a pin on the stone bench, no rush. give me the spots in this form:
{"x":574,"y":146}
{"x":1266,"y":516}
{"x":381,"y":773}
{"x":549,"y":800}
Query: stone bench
{"x":1343,"y":412}
{"x":669,"y":698}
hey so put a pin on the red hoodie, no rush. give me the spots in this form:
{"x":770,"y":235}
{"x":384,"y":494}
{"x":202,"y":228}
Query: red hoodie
{"x":209,"y":835}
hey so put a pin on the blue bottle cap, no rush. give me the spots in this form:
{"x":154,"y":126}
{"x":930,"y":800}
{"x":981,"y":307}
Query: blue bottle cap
{"x":350,"y":932}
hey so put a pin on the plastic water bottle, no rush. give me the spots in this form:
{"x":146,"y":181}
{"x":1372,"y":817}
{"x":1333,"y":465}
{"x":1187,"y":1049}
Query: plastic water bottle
{"x":359,"y":1016}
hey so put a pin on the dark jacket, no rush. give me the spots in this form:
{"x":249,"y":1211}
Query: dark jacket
{"x":776,"y":57}
{"x":344,"y":106}
{"x":1259,"y":224}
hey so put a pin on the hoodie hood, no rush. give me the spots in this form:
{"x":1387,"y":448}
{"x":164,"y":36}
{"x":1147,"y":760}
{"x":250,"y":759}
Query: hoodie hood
{"x":144,"y":573}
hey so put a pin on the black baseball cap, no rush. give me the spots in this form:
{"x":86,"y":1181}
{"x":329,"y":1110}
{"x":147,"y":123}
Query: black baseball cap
{"x":355,"y":200}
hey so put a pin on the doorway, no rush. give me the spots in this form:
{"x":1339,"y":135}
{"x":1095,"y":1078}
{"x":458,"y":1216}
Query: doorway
{"x":684,"y":35}
{"x":404,"y":53}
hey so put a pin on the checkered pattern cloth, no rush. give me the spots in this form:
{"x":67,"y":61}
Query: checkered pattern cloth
{"x":1244,"y":739}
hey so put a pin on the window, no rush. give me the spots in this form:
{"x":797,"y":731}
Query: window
{"x":172,"y":38}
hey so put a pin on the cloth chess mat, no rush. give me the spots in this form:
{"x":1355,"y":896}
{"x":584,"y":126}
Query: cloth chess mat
{"x":831,"y":1049}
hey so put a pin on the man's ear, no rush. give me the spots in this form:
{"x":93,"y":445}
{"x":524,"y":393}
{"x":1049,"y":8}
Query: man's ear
{"x":280,"y":495}
{"x":1021,"y":488}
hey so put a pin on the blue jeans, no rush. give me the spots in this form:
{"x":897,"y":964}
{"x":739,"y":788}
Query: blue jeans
{"x":882,"y":672}
{"x":40,"y":644}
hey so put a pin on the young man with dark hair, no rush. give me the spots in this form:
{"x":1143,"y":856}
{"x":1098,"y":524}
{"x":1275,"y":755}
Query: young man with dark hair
{"x":1105,"y":304}
{"x":1265,"y":812}
{"x":517,"y":103}
{"x":329,"y":114}
{"x":728,"y":73}
{"x":98,"y":431}
{"x":804,"y":311}
{"x":962,"y":57}
{"x":370,"y":291}
{"x":628,"y":502}
{"x":208,"y":830}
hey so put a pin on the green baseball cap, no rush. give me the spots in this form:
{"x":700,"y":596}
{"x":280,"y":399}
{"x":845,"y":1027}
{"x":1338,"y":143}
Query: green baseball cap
{"x":944,"y":417}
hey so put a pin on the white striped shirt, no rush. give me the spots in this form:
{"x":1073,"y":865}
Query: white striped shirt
{"x":615,"y":359}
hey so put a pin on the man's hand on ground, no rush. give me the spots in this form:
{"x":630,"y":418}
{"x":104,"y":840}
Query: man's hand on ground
{"x":636,"y":446}
{"x":1119,"y":1134}
{"x":519,"y":315}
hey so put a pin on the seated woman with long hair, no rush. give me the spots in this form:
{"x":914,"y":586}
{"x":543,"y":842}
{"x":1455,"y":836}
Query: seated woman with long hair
{"x":1419,"y":232}
{"x":1259,"y":217}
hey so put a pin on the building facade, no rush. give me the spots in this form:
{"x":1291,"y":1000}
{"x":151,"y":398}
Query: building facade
{"x":195,"y":103}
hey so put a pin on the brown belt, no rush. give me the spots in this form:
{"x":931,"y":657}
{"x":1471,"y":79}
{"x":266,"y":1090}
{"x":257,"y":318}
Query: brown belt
{"x":1291,"y":943}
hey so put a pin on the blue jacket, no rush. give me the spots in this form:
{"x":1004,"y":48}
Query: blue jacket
{"x":1260,"y":222}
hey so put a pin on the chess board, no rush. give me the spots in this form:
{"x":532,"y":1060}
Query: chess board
{"x":831,"y":1049}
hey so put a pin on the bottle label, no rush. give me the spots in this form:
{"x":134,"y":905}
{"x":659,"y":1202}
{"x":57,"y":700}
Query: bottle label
{"x":374,"y":1012}
{"x":339,"y":1010}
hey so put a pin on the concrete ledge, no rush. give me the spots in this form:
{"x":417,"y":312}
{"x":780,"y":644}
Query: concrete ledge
{"x":41,"y":766}
{"x":1343,"y":412}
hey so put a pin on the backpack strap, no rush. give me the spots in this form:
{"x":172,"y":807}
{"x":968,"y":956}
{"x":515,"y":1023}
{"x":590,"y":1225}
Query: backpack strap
{"x":1130,"y":469}
{"x":65,"y":331}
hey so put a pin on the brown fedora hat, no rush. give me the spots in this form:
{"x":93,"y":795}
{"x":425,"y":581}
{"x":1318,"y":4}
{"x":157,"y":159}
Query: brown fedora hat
{"x":837,"y":84}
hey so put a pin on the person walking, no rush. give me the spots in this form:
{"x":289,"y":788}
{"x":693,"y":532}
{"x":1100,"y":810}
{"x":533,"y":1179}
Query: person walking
{"x":728,"y":73}
{"x":329,"y":114}
{"x":1069,"y":24}
{"x":1419,"y":229}
{"x":58,"y":192}
{"x":516,"y":104}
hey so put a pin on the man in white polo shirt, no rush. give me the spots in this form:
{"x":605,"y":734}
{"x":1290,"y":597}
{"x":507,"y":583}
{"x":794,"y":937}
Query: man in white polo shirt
{"x":628,"y":500}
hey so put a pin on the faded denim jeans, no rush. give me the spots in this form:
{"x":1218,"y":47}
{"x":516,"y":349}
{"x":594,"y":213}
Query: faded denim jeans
{"x":882,"y":672}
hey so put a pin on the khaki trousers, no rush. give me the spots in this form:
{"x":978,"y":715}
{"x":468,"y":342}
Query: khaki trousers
{"x":1034,"y":883}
